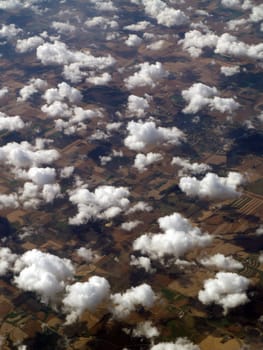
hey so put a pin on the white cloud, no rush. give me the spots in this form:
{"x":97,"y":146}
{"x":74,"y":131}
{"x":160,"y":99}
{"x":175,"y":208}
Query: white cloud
{"x":102,"y":22}
{"x":9,"y":201}
{"x":3,"y":91}
{"x":29,"y":44}
{"x":200,"y":95}
{"x":130,"y":225}
{"x":140,"y":206}
{"x":42,"y":273}
{"x":125,"y":303}
{"x":62,"y":92}
{"x":137,"y":105}
{"x":179,"y":344}
{"x":9,"y":31}
{"x":145,"y":329}
{"x":228,"y":71}
{"x":178,"y":237}
{"x":194,"y":42}
{"x":102,"y":79}
{"x":11,"y":123}
{"x":138,"y":27}
{"x":104,"y":203}
{"x":133,"y":40}
{"x":256,"y":13}
{"x":67,"y":171}
{"x":7,"y":259}
{"x":63,"y":28}
{"x":187,"y":167}
{"x":157,"y":45}
{"x":212,"y":186}
{"x":35,"y":85}
{"x":226,"y":263}
{"x":227,"y":289}
{"x":142,"y":135}
{"x":259,"y":230}
{"x":87,"y":254}
{"x":83,"y":296}
{"x":142,"y":161}
{"x":148,"y":75}
{"x":142,"y":262}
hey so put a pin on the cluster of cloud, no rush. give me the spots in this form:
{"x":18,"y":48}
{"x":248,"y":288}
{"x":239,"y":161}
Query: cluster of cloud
{"x":34,"y":86}
{"x":212,"y":186}
{"x":178,"y":237}
{"x":200,"y":96}
{"x":9,"y":31}
{"x":82,"y":296}
{"x":227,"y":289}
{"x":57,"y":53}
{"x":125,"y":303}
{"x":228,"y":71}
{"x":87,"y":254}
{"x":143,"y":134}
{"x":222,"y":262}
{"x":164,"y":15}
{"x":133,"y":40}
{"x":7,"y":259}
{"x":189,"y":168}
{"x":130,"y":225}
{"x":29,"y":44}
{"x":11,"y":123}
{"x":142,"y":161}
{"x":148,"y":75}
{"x":139,"y":206}
{"x":226,"y":44}
{"x":142,"y":262}
{"x":104,"y":203}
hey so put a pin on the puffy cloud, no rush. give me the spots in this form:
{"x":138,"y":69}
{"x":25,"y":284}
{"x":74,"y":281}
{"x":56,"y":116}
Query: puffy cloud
{"x":35,"y":85}
{"x":42,"y":273}
{"x":24,"y":155}
{"x":141,"y":160}
{"x":142,"y":135}
{"x":29,"y":44}
{"x":9,"y":31}
{"x":102,"y":22}
{"x":227,"y":289}
{"x":178,"y":237}
{"x":3,"y":91}
{"x":87,"y":254}
{"x":140,"y":206}
{"x":42,"y":176}
{"x":62,"y":92}
{"x":157,"y":45}
{"x":148,"y":75}
{"x":187,"y":167}
{"x":194,"y":42}
{"x":200,"y":95}
{"x":11,"y":123}
{"x":138,"y":27}
{"x":227,"y":263}
{"x":259,"y":230}
{"x":229,"y":71}
{"x":137,"y":105}
{"x":145,"y":329}
{"x":133,"y":40}
{"x":164,"y":15}
{"x":104,"y":203}
{"x":7,"y":259}
{"x":66,"y":172}
{"x":130,"y":225}
{"x":83,"y":296}
{"x":179,"y":344}
{"x":9,"y":201}
{"x":125,"y":303}
{"x":212,"y":186}
{"x":63,"y":28}
{"x":142,"y":262}
{"x":256,"y":13}
{"x":103,"y":5}
{"x":102,"y":79}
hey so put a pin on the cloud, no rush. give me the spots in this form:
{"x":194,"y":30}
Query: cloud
{"x":7,"y":259}
{"x":29,"y":44}
{"x":130,"y":225}
{"x":142,"y":161}
{"x":146,"y":330}
{"x":62,"y":92}
{"x":104,"y":203}
{"x":142,"y":262}
{"x":178,"y":237}
{"x":103,"y":22}
{"x":9,"y":201}
{"x":3,"y":91}
{"x":11,"y":123}
{"x":137,"y":105}
{"x":187,"y":167}
{"x":227,"y":289}
{"x":63,"y":28}
{"x":200,"y":95}
{"x":194,"y":42}
{"x":133,"y":40}
{"x":148,"y":75}
{"x":212,"y":186}
{"x":9,"y":31}
{"x":35,"y":85}
{"x":226,"y":263}
{"x":179,"y":344}
{"x":140,"y":206}
{"x":143,"y":134}
{"x":125,"y":303}
{"x":42,"y":176}
{"x":140,"y":26}
{"x":164,"y":14}
{"x":87,"y":254}
{"x":229,"y":71}
{"x":42,"y":273}
{"x":82,"y":296}
{"x":102,"y":79}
